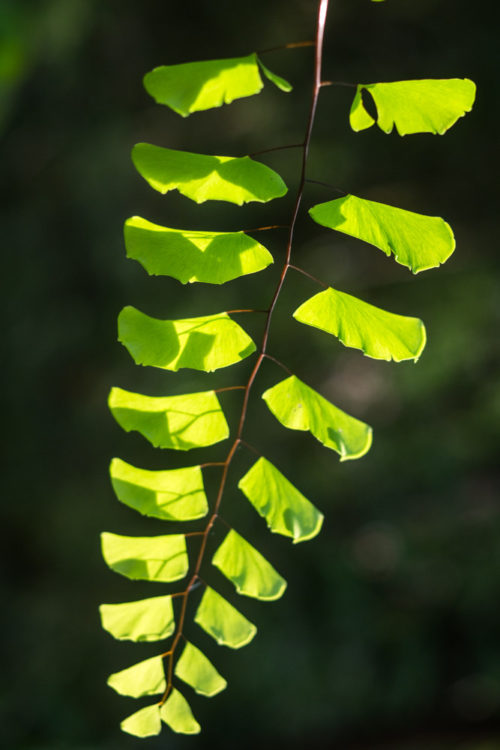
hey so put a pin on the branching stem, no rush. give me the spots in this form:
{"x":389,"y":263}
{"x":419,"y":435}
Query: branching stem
{"x":309,"y":276}
{"x":318,"y":44}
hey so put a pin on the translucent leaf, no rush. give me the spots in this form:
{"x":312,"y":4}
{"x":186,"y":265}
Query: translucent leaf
{"x":277,"y":80}
{"x":144,"y":723}
{"x":424,"y":106}
{"x":174,"y":495}
{"x":417,"y":241}
{"x":379,"y":334}
{"x":145,"y":678}
{"x":189,"y":256}
{"x":148,"y":620}
{"x":202,"y":177}
{"x":195,"y":86}
{"x":176,"y":713}
{"x":206,"y":343}
{"x":250,"y":572}
{"x":285,"y":509}
{"x":299,"y":407}
{"x":197,"y":671}
{"x":146,"y":558}
{"x":223,"y":622}
{"x":193,"y":420}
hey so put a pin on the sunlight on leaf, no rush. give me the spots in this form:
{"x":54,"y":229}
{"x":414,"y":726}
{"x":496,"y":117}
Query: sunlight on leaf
{"x":285,"y":509}
{"x":174,"y":495}
{"x":144,"y":723}
{"x":147,"y":620}
{"x":379,"y":334}
{"x":223,"y":622}
{"x":422,"y":106}
{"x":278,"y":81}
{"x":250,"y":572}
{"x":190,"y":256}
{"x":206,"y":343}
{"x":146,"y":558}
{"x":416,"y":241}
{"x":193,"y":420}
{"x":202,"y":177}
{"x":197,"y":671}
{"x":299,"y":407}
{"x":145,"y":678}
{"x":176,"y":713}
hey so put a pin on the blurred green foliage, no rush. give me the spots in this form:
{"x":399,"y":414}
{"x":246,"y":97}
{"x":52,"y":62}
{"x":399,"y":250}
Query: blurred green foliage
{"x":389,"y":634}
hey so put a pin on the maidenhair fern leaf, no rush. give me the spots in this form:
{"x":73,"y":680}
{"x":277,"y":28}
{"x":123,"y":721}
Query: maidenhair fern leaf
{"x":154,"y":558}
{"x":177,"y":714}
{"x":202,"y":177}
{"x":250,"y":572}
{"x":174,"y":495}
{"x":145,"y":678}
{"x":422,"y":106}
{"x":285,"y":509}
{"x":416,"y":241}
{"x":143,"y":723}
{"x":299,"y":407}
{"x":197,"y":671}
{"x":190,"y":256}
{"x":148,"y":620}
{"x":206,"y":343}
{"x":193,"y":420}
{"x":379,"y":334}
{"x":222,"y":621}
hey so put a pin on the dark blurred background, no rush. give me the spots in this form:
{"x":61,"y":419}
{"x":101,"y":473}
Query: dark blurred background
{"x":389,"y":633}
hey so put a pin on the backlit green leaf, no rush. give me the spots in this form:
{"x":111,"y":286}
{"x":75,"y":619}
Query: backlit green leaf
{"x":299,"y":407}
{"x":189,"y":256}
{"x":416,"y":241}
{"x":202,"y":177}
{"x":197,"y":671}
{"x":193,"y":420}
{"x":222,"y":621}
{"x":174,"y":495}
{"x":250,"y":572}
{"x":422,"y":106}
{"x":379,"y":334}
{"x":176,"y":713}
{"x":285,"y":509}
{"x":148,"y":620}
{"x":144,"y":723}
{"x":146,"y":558}
{"x":205,"y":343}
{"x":277,"y":80}
{"x":145,"y":678}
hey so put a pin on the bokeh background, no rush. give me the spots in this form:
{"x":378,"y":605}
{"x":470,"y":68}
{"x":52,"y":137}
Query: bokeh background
{"x":389,"y":633}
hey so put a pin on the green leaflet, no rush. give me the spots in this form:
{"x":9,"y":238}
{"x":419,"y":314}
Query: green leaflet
{"x":197,"y":671}
{"x":299,"y":407}
{"x":195,"y":86}
{"x":145,"y":678}
{"x":285,"y":509}
{"x":202,"y":177}
{"x":379,"y":334}
{"x":277,"y":80}
{"x":154,"y":558}
{"x":148,"y":620}
{"x":222,"y":621}
{"x":250,"y":572}
{"x":424,"y":106}
{"x":190,"y":256}
{"x":206,"y":343}
{"x":417,"y":241}
{"x":174,"y":495}
{"x":176,"y":713}
{"x":144,"y":723}
{"x":193,"y":420}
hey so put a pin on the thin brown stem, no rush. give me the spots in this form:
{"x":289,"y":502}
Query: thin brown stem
{"x":277,"y":361}
{"x":327,"y":185}
{"x":310,"y":276}
{"x":234,"y":312}
{"x":320,"y":31}
{"x":338,"y":83}
{"x":230,"y":388}
{"x":212,"y":463}
{"x":250,"y":447}
{"x":276,"y":148}
{"x":265,"y":229}
{"x":290,"y":45}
